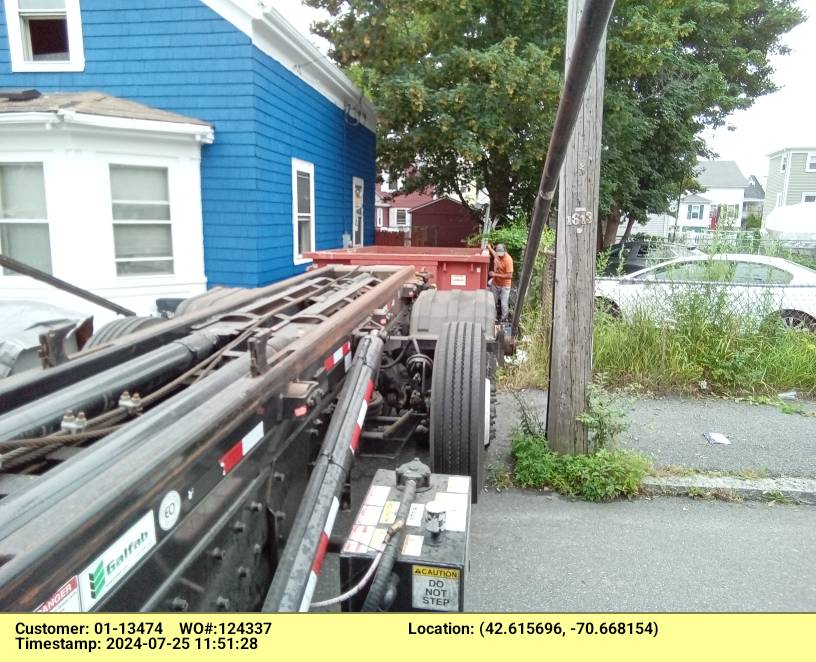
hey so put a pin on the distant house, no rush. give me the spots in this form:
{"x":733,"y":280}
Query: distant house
{"x":424,"y":218}
{"x":754,"y":199}
{"x":791,"y":177}
{"x":720,"y":203}
{"x":173,"y":146}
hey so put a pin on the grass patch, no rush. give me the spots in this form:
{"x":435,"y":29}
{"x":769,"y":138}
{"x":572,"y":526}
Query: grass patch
{"x":499,"y":476}
{"x":601,"y":476}
{"x":684,"y":472}
{"x":717,"y":494}
{"x":777,"y":498}
{"x":729,"y":355}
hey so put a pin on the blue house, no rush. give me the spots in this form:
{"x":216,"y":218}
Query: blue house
{"x":174,"y":145}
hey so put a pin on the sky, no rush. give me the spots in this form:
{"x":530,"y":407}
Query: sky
{"x":786,"y":118}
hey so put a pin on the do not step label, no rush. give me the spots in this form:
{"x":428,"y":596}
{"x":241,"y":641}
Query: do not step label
{"x":435,"y":588}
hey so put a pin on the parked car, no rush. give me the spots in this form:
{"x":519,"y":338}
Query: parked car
{"x":637,"y":254}
{"x":754,"y":285}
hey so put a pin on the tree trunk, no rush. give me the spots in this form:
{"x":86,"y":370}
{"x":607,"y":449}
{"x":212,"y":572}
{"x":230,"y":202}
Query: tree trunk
{"x":630,"y":223}
{"x":612,"y":225}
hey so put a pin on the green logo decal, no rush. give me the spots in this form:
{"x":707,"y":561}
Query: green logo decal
{"x":97,"y":578}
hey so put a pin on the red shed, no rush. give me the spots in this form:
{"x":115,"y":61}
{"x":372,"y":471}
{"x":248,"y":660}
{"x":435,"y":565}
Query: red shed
{"x":442,"y":222}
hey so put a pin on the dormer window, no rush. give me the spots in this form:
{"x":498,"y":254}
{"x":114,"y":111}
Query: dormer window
{"x":45,"y":35}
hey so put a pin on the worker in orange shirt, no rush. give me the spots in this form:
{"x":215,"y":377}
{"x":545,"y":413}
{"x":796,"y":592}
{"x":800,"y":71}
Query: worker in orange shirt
{"x":501,"y":277}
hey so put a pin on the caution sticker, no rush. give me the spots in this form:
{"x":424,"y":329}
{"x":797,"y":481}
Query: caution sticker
{"x":435,"y":588}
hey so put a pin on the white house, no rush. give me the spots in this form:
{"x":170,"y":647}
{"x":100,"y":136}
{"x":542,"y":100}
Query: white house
{"x":89,"y":187}
{"x":720,"y":202}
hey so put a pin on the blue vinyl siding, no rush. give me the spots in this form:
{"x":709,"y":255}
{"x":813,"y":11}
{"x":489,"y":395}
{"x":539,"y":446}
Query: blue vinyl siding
{"x":181,"y":56}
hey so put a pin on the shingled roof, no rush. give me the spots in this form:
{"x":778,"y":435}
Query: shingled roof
{"x":89,"y":103}
{"x":720,"y":174}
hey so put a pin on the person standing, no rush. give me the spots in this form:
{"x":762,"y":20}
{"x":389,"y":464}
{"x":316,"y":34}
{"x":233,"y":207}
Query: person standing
{"x":501,"y":278}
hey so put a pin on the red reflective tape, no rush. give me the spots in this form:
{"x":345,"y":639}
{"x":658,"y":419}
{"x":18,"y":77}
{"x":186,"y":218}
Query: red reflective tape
{"x":346,"y":347}
{"x":231,"y":458}
{"x":328,"y":364}
{"x":355,"y":439}
{"x":301,"y":411}
{"x":321,"y":553}
{"x":369,"y":390}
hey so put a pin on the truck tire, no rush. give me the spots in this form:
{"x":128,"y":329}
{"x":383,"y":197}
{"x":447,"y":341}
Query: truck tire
{"x":118,"y":328}
{"x":460,"y":426}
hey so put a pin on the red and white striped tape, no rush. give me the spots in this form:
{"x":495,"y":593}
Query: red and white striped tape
{"x":322,"y":548}
{"x":342,"y":353}
{"x":358,"y":425}
{"x":240,"y":450}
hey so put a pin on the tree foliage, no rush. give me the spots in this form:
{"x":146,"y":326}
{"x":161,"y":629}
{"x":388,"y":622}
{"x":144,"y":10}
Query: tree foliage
{"x":467,"y":89}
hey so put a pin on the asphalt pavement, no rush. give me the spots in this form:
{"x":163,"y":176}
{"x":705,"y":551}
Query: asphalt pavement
{"x":539,"y":552}
{"x":670,"y":430}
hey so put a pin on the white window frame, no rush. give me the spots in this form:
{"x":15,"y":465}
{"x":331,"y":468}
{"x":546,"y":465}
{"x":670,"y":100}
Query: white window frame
{"x":691,"y":216}
{"x":355,"y":182}
{"x":302,"y":166}
{"x":30,"y":221}
{"x":397,"y":224}
{"x":809,"y":194}
{"x":811,"y":156}
{"x":124,"y":163}
{"x":778,"y":200}
{"x":783,"y":164}
{"x":380,"y":217}
{"x":76,"y":49}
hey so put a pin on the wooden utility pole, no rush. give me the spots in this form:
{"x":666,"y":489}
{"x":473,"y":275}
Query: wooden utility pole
{"x":576,"y":239}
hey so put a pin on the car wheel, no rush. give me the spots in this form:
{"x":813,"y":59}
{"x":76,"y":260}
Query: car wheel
{"x":795,"y":319}
{"x":604,"y":306}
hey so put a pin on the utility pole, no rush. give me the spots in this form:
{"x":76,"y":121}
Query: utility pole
{"x":573,"y":305}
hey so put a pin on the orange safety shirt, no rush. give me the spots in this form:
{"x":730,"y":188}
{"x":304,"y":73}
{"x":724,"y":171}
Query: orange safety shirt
{"x":503,"y":270}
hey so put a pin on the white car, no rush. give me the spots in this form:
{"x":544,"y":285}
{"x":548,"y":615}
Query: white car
{"x":755,"y":285}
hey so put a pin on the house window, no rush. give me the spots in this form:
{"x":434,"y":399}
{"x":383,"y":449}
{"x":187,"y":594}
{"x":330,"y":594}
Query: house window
{"x":401,"y":217}
{"x":783,"y":164}
{"x":357,"y":189}
{"x":45,"y":35}
{"x":379,"y":217}
{"x":810,"y":162}
{"x":303,"y":214}
{"x":808,"y":197}
{"x":695,"y":212}
{"x":142,"y":235}
{"x":24,"y":232}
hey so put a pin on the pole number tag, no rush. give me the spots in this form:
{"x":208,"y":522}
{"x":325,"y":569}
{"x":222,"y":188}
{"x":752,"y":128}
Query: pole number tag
{"x":580,"y":217}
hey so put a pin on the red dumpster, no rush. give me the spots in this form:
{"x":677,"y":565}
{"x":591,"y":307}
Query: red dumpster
{"x":450,"y":268}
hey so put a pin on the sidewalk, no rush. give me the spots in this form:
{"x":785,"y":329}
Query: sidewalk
{"x":670,"y":431}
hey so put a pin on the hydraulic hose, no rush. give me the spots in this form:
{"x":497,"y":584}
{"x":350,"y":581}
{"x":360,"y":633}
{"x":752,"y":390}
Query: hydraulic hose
{"x":382,"y":580}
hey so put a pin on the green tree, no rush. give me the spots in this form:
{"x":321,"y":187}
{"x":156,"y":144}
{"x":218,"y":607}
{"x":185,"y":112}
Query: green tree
{"x":467,"y":89}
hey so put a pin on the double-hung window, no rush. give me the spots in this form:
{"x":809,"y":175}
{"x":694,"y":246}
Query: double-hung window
{"x":695,"y":212}
{"x":142,"y":233}
{"x":810,"y":162}
{"x":303,"y":214}
{"x":401,"y":217}
{"x":24,"y":232}
{"x":808,"y":197}
{"x":45,"y":35}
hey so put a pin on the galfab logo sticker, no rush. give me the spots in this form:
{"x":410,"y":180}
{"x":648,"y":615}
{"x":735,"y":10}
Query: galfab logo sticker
{"x":117,"y":561}
{"x":97,"y":579}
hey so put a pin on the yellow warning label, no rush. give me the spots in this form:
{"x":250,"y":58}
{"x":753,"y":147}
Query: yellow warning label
{"x":444,"y":573}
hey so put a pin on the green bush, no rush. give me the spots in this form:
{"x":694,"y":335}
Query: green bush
{"x":604,"y":475}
